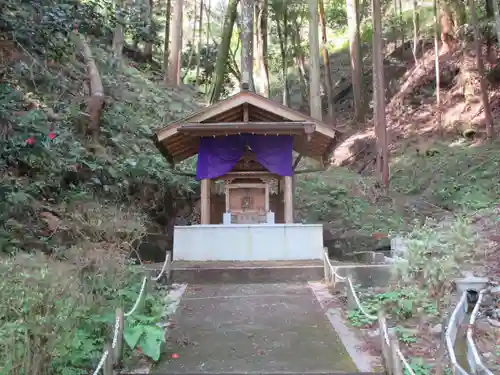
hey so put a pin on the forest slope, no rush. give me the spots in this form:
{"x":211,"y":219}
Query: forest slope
{"x":73,"y":206}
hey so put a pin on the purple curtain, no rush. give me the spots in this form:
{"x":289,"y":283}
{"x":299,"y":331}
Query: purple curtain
{"x":218,"y":156}
{"x":273,"y":152}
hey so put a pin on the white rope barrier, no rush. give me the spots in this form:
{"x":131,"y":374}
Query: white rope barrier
{"x":138,"y":298}
{"x":101,"y":362}
{"x":405,"y":362}
{"x":136,"y":304}
{"x":349,"y":282}
{"x":358,"y":302}
{"x":335,"y":276}
{"x":167,"y":260}
{"x":115,"y":334}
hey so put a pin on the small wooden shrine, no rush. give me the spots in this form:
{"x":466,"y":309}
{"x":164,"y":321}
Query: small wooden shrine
{"x":245,"y":160}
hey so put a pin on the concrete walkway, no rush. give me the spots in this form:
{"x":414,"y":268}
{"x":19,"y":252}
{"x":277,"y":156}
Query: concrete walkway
{"x":253,"y":328}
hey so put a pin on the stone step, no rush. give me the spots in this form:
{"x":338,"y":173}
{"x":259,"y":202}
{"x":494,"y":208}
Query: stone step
{"x":246,"y":272}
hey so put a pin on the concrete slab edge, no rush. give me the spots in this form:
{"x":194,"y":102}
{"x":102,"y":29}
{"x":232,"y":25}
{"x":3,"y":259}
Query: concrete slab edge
{"x":174,"y":295}
{"x":351,"y":342}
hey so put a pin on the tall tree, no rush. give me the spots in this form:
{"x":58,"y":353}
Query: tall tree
{"x":416,"y":30}
{"x":223,"y":51}
{"x":326,"y":59}
{"x":299,"y":59}
{"x":382,"y":161}
{"x":436,"y":63}
{"x":261,"y":15}
{"x":352,"y":7}
{"x":208,"y":10}
{"x":198,"y":46}
{"x":314,"y":73}
{"x":246,"y":35}
{"x":166,"y":49}
{"x":118,"y":37}
{"x":496,"y":12}
{"x":281,"y":19}
{"x":480,"y":70}
{"x":148,"y":20}
{"x":174,"y":64}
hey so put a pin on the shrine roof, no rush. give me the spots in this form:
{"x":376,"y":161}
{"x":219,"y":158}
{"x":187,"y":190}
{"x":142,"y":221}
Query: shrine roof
{"x":246,"y":112}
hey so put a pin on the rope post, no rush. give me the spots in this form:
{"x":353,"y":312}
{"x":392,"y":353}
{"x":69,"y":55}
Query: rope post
{"x":351,"y":300}
{"x":326,"y":267}
{"x":386,"y":350}
{"x":396,"y":366}
{"x":107,"y":369}
{"x":117,"y":350}
{"x":168,"y":269}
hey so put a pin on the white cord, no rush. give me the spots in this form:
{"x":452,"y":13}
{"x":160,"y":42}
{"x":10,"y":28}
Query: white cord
{"x":167,"y":260}
{"x":101,"y":362}
{"x":138,"y":298}
{"x":115,"y":334}
{"x":405,"y":363}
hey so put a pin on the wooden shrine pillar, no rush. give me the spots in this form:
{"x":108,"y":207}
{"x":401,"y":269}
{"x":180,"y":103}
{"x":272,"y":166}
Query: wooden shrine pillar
{"x":288,"y":197}
{"x":205,"y":201}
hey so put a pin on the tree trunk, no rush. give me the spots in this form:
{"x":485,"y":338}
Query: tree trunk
{"x":314,"y":74}
{"x":95,"y":103}
{"x":207,"y":43}
{"x":401,"y":26}
{"x":356,"y":57}
{"x":497,"y":19}
{"x":148,"y":18}
{"x":282,"y":38}
{"x":460,"y":14}
{"x":246,"y":35}
{"x":436,"y":60}
{"x":118,"y":37}
{"x":491,"y":57}
{"x":379,"y":96}
{"x":193,"y":49}
{"x":174,"y":63}
{"x":299,"y":59}
{"x":198,"y":47}
{"x":167,"y":40}
{"x":447,"y":28}
{"x":261,"y":46}
{"x":326,"y":60}
{"x":480,"y":70}
{"x":416,"y":30}
{"x":223,"y":51}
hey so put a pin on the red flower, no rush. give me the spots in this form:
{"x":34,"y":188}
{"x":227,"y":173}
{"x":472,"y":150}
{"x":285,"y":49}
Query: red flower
{"x":30,"y":141}
{"x":378,"y":236}
{"x":52,"y":135}
{"x":175,"y":356}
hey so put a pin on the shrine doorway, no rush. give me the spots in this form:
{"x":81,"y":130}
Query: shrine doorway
{"x":248,"y":203}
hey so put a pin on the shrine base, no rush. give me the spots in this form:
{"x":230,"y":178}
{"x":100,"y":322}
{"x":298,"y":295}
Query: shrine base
{"x":248,"y":242}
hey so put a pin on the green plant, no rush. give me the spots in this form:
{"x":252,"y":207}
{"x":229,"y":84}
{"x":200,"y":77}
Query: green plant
{"x":142,"y":333}
{"x":419,"y":367}
{"x":401,"y":303}
{"x":405,"y":335}
{"x":58,"y":316}
{"x":434,"y":253}
{"x":359,"y":319}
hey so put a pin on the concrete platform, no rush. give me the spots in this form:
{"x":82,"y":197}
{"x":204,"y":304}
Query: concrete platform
{"x":221,"y":272}
{"x":250,"y":328}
